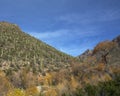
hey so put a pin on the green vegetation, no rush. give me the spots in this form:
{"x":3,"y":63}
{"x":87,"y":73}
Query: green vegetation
{"x":109,"y":88}
{"x":19,"y":49}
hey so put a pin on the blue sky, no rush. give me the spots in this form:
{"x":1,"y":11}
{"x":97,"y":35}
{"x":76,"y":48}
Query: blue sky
{"x":71,"y":26}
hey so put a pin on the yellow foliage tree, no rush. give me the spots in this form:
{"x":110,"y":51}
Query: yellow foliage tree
{"x":50,"y":92}
{"x":16,"y":92}
{"x":74,"y":83}
{"x":32,"y":91}
{"x":63,"y":88}
{"x":48,"y":79}
{"x":100,"y":67}
{"x":106,"y":77}
{"x":5,"y":85}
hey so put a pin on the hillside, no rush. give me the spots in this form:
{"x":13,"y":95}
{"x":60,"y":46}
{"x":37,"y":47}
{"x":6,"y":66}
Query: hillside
{"x":105,"y":52}
{"x":29,"y":67}
{"x":101,"y":63}
{"x":19,"y":49}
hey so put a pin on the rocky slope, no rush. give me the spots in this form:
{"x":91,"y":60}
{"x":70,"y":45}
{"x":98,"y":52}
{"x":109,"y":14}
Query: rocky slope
{"x":105,"y":52}
{"x":100,"y":64}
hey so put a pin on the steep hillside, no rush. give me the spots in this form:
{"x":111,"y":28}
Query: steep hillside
{"x":29,"y":67}
{"x":18,"y":49}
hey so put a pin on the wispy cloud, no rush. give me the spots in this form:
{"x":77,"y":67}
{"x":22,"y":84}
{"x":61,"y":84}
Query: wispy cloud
{"x":91,"y":17}
{"x":75,"y":40}
{"x":71,"y":26}
{"x":65,"y":33}
{"x":50,"y":34}
{"x":68,"y":40}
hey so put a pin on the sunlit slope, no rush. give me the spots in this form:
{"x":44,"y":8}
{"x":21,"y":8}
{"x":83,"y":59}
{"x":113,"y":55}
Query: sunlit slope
{"x":23,"y":49}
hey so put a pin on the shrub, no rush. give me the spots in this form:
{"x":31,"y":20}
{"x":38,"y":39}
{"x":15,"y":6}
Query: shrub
{"x":16,"y":92}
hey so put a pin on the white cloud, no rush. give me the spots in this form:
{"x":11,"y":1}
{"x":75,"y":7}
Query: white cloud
{"x":65,"y":34}
{"x":91,"y":17}
{"x":110,"y":15}
{"x":50,"y":34}
{"x":68,"y":40}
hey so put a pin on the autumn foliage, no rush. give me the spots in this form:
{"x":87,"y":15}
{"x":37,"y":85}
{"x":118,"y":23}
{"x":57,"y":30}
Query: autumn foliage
{"x":104,"y":46}
{"x":16,"y":92}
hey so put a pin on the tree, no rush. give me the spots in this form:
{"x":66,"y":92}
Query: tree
{"x":32,"y":91}
{"x":5,"y":85}
{"x":16,"y":92}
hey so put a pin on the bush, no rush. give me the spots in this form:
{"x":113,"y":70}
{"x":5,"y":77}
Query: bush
{"x":16,"y":92}
{"x":109,"y":88}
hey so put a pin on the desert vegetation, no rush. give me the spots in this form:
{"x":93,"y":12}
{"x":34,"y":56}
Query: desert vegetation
{"x":29,"y":67}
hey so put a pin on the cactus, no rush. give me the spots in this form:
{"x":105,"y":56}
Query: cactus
{"x":41,"y":64}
